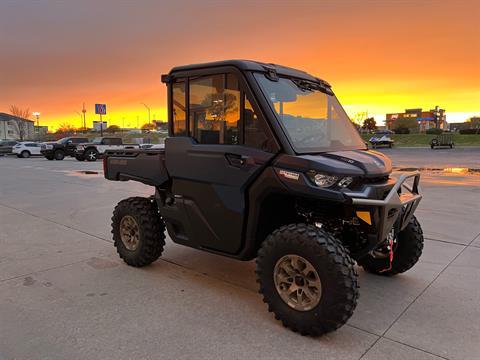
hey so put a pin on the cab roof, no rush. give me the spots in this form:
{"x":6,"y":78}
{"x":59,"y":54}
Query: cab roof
{"x":250,"y":65}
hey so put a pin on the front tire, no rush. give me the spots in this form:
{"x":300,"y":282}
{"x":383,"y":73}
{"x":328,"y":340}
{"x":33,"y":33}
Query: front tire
{"x":138,"y":231}
{"x":307,"y":278}
{"x":59,"y":155}
{"x":80,"y":157}
{"x":406,"y":253}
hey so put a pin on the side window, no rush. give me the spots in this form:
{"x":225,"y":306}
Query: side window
{"x":178,"y":106}
{"x":215,"y":109}
{"x":255,"y":132}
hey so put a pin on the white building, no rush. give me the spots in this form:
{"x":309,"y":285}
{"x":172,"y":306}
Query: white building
{"x":97,"y":125}
{"x":15,"y":128}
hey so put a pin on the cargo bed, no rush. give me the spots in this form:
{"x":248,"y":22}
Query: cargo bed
{"x":146,"y":166}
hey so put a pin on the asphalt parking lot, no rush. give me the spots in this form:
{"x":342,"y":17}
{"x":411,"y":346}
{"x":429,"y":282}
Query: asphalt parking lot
{"x":64,"y":293}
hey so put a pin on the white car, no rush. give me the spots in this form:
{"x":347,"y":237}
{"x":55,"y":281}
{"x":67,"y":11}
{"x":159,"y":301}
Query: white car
{"x":26,"y":149}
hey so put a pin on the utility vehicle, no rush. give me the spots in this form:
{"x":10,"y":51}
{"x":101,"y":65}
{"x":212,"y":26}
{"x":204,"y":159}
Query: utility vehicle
{"x":91,"y":151}
{"x":263,"y":162}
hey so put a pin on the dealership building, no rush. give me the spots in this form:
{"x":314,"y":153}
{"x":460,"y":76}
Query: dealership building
{"x":435,"y":118}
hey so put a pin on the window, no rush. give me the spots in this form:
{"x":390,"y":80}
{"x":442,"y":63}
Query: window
{"x":179,"y":113}
{"x":215,"y":109}
{"x":255,"y":132}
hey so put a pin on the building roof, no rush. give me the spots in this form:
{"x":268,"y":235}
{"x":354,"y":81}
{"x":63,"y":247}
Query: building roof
{"x":8,"y":117}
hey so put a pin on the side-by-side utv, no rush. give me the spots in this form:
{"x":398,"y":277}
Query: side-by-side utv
{"x":262,"y":162}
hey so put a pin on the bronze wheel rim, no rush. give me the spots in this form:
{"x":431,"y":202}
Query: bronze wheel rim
{"x":297,"y":282}
{"x":129,"y":232}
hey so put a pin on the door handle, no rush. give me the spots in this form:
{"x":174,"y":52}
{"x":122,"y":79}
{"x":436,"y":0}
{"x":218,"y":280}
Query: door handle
{"x":237,"y":160}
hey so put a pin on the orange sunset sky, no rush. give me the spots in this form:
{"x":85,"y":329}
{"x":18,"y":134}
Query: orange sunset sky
{"x":380,"y":56}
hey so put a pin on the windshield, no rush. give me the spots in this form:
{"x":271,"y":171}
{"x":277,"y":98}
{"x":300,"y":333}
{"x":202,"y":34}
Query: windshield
{"x":313,"y":120}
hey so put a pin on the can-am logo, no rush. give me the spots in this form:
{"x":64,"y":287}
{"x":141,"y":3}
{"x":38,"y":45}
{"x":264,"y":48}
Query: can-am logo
{"x":289,"y":174}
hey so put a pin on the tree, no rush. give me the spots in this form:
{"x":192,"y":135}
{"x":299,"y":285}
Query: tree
{"x":20,"y":115}
{"x":369,"y":124}
{"x":66,"y":129}
{"x":148,"y":126}
{"x":113,"y":128}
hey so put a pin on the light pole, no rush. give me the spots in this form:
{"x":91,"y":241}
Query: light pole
{"x":148,"y":111}
{"x":37,"y":115}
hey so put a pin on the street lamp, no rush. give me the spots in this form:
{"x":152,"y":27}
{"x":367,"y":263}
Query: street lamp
{"x":37,"y":115}
{"x":148,"y":111}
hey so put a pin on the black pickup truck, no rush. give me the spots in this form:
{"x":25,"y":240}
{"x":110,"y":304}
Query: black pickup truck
{"x":263,"y":162}
{"x":59,"y":149}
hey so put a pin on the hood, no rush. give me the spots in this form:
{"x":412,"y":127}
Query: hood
{"x":366,"y":163}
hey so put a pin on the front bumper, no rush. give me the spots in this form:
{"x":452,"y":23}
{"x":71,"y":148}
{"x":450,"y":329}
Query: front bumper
{"x":396,"y":209}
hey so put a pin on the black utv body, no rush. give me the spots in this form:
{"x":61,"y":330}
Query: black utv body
{"x":262,"y":162}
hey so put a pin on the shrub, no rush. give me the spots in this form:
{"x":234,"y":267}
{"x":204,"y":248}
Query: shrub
{"x":434,"y":131}
{"x":469,"y":131}
{"x":402,"y":130}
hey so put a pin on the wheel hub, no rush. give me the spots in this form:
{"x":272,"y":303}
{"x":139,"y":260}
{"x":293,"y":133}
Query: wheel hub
{"x":129,"y":232}
{"x":297,"y":282}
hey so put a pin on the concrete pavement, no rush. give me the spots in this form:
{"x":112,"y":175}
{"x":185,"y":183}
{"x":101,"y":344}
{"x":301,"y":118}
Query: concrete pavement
{"x":64,"y":294}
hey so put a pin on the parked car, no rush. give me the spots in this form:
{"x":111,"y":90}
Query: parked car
{"x":94,"y":150}
{"x":64,"y":147}
{"x":26,"y":149}
{"x":6,"y":146}
{"x":299,"y":192}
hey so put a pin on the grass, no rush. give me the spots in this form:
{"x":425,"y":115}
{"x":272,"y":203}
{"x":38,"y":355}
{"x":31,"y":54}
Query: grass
{"x":423,"y":140}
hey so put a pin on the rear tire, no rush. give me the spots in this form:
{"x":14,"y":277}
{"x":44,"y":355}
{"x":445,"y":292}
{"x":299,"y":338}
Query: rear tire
{"x":138,"y":231}
{"x":59,"y":155}
{"x":406,"y":254}
{"x":25,"y":154}
{"x":91,"y":155}
{"x":310,"y":311}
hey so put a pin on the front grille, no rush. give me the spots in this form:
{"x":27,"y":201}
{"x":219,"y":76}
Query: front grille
{"x":375,"y":180}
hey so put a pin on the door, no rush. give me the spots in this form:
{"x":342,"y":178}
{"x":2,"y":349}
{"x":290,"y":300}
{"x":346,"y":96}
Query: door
{"x":212,"y":169}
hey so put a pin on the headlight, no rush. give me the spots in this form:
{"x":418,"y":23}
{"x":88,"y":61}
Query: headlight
{"x":345,"y":182}
{"x":49,"y":147}
{"x":323,"y":180}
